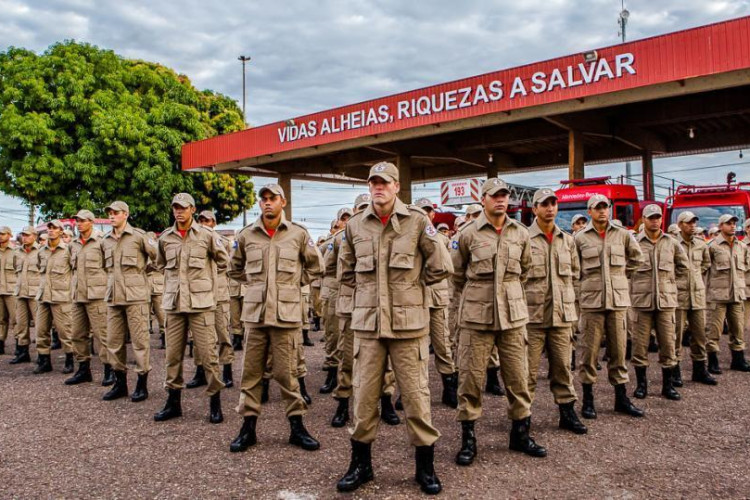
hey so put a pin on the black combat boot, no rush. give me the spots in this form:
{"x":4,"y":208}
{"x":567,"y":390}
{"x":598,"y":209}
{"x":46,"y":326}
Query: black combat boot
{"x":652,"y":345}
{"x":623,"y":404}
{"x":587,"y":408}
{"x":172,"y":408}
{"x":306,"y":339}
{"x":22,"y":355}
{"x":237,"y":342}
{"x":686,"y":336}
{"x":215,"y":416}
{"x":227,"y":376}
{"x":425,"y":474}
{"x":569,"y":420}
{"x":120,"y":387}
{"x":667,"y":387}
{"x":573,"y":361}
{"x":493,"y":386}
{"x":56,"y":344}
{"x":316,"y":323}
{"x":141,"y":389}
{"x":521,"y":441}
{"x":109,"y":375}
{"x":450,"y":384}
{"x":265,"y":386}
{"x":387,"y":412}
{"x":93,"y":349}
{"x":199,"y":379}
{"x":341,"y":417}
{"x":43,"y":364}
{"x":739,"y":363}
{"x":69,"y":365}
{"x":299,"y":435}
{"x":701,"y":375}
{"x":641,"y":389}
{"x":190,"y":348}
{"x":2,"y":346}
{"x":713,"y":363}
{"x":677,"y":376}
{"x":246,"y":437}
{"x":468,"y":451}
{"x":331,"y":381}
{"x":162,"y":344}
{"x":399,"y":404}
{"x":82,"y":375}
{"x":628,"y":350}
{"x":303,"y":390}
{"x":360,"y":467}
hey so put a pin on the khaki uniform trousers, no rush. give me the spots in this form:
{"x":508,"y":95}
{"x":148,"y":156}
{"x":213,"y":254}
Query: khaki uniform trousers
{"x":475,"y":348}
{"x":204,"y":342}
{"x":131,"y":318}
{"x":46,"y":316}
{"x":610,"y":326}
{"x":663,"y":322}
{"x":224,"y":340}
{"x":441,"y":342}
{"x":301,"y":364}
{"x":734,"y":313}
{"x":344,"y":375}
{"x":695,"y":321}
{"x":90,"y":319}
{"x":559,"y":344}
{"x":157,"y":312}
{"x":25,"y":313}
{"x":235,"y":315}
{"x":281,"y":343}
{"x":331,"y":334}
{"x":410,"y":361}
{"x":7,"y":315}
{"x":317,"y":303}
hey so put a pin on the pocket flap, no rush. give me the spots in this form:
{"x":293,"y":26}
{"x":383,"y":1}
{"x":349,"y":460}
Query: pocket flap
{"x":289,"y":294}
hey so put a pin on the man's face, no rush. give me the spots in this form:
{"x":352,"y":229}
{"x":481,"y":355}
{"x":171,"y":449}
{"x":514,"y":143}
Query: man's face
{"x":430,"y":213}
{"x":728,"y":228}
{"x":271,"y":205}
{"x":117,"y":217}
{"x":28,"y":239}
{"x":579,"y":224}
{"x":687,"y":228}
{"x":54,"y":232}
{"x":546,"y":211}
{"x":84,"y":225}
{"x":652,"y":223}
{"x":496,"y":204}
{"x":182,"y":214}
{"x":204,"y":221}
{"x":67,"y":238}
{"x":4,"y":238}
{"x":445,"y":231}
{"x":382,"y":192}
{"x":599,"y":213}
{"x":343,"y":220}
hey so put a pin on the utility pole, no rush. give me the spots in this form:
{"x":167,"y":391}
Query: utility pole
{"x":244,"y":59}
{"x":622,"y":21}
{"x":32,"y":215}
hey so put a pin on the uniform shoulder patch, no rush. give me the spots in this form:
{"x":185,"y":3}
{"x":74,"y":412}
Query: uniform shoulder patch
{"x":430,"y":230}
{"x":454,"y":244}
{"x":311,"y":243}
{"x":152,"y":242}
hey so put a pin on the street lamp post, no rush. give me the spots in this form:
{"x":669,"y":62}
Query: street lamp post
{"x":244,"y":59}
{"x":622,"y":21}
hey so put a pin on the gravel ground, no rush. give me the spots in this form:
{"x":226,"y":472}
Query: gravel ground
{"x":65,"y":442}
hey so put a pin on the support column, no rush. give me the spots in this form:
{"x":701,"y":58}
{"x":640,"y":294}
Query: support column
{"x":648,"y":175}
{"x":285,"y":181}
{"x":575,"y":155}
{"x":403,"y":162}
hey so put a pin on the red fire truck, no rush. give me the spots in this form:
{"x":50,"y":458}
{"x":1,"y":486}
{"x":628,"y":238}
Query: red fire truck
{"x":711,"y":202}
{"x":572,"y":199}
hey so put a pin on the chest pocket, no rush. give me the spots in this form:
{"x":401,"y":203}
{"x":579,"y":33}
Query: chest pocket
{"x":42,"y":264}
{"x":93,"y":260}
{"x":402,"y":253}
{"x":722,"y":261}
{"x":697,"y":257}
{"x":197,"y":258}
{"x":109,"y":259}
{"x":538,"y":263}
{"x":617,"y":255}
{"x":514,"y":260}
{"x":288,"y":260}
{"x":590,"y":258}
{"x":666,"y":260}
{"x":363,"y":252}
{"x":740,"y":260}
{"x":129,"y":258}
{"x":564,"y":264}
{"x":171,"y":255}
{"x":482,"y":258}
{"x":253,"y":260}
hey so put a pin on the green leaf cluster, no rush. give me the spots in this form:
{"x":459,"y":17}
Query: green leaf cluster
{"x":81,"y":126}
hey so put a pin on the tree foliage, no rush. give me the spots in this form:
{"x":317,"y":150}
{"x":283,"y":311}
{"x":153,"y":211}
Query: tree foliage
{"x":81,"y":127}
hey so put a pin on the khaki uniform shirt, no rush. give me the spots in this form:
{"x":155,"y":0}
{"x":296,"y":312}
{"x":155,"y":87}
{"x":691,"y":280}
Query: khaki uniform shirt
{"x":330,"y":253}
{"x":27,"y":270}
{"x":56,"y":274}
{"x":654,"y":285}
{"x":746,"y":242}
{"x":236,"y":288}
{"x":439,"y":294}
{"x":190,"y":265}
{"x":726,"y":276}
{"x":325,"y":290}
{"x":489,"y":271}
{"x":125,"y":259}
{"x":550,"y":287}
{"x":606,"y":264}
{"x":691,"y":289}
{"x":89,"y":274}
{"x":388,"y":267}
{"x":8,"y":276}
{"x":345,"y":298}
{"x":222,"y":279}
{"x":155,"y":281}
{"x":273,"y":268}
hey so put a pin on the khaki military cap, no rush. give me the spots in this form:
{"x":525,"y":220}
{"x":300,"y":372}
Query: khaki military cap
{"x":117,"y":206}
{"x":344,"y":211}
{"x":494,"y":186}
{"x":334,"y":223}
{"x":713,"y":230}
{"x":596,"y":200}
{"x":183,"y":200}
{"x":576,"y":217}
{"x":5,"y":229}
{"x":207,"y":214}
{"x":385,"y":170}
{"x":68,"y":232}
{"x":673,"y":229}
{"x":617,"y":223}
{"x":687,"y":216}
{"x":474,"y":208}
{"x":443,"y":226}
{"x":28,"y":230}
{"x":363,"y":199}
{"x":460,"y":221}
{"x":424,"y":203}
{"x":542,"y":195}
{"x":273,"y":188}
{"x":84,"y":215}
{"x":728,"y":218}
{"x":651,"y":210}
{"x":56,"y":223}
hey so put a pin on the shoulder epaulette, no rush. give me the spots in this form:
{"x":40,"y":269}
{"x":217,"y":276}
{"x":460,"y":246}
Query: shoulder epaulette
{"x":300,"y":225}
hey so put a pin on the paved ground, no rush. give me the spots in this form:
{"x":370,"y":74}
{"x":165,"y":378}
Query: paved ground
{"x":64,"y":442}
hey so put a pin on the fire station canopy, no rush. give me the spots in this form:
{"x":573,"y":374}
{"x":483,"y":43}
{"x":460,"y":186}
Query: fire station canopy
{"x":677,"y":94}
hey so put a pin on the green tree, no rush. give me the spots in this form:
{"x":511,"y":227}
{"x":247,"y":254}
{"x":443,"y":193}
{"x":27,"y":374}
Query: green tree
{"x":81,"y":127}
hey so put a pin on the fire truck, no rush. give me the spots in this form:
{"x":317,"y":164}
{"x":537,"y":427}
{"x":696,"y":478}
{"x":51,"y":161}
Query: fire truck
{"x":711,"y":202}
{"x":575,"y":193}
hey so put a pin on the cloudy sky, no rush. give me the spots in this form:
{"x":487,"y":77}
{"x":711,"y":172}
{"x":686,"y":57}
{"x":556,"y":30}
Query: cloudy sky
{"x":310,"y":56}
